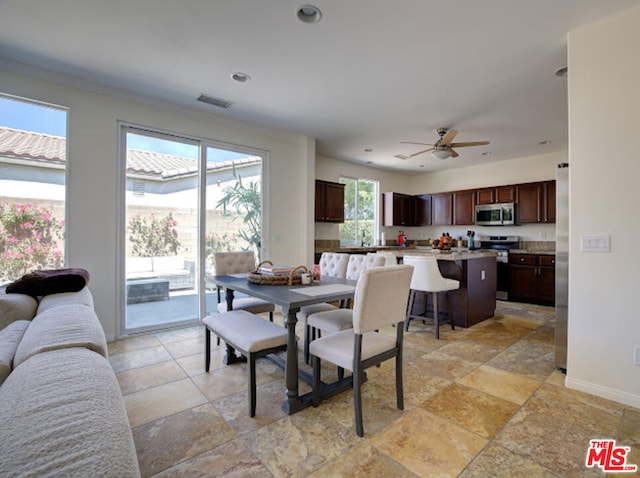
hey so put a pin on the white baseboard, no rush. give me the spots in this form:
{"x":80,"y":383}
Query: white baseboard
{"x":603,"y":392}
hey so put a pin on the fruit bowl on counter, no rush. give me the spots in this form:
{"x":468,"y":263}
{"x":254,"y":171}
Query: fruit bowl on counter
{"x":443,"y":243}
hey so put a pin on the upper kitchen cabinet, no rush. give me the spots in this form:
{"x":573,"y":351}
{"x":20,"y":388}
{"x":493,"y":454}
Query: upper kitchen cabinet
{"x":329,"y":201}
{"x":464,"y":203}
{"x":423,"y":210}
{"x":496,"y":195}
{"x":442,"y":209}
{"x":536,"y":202}
{"x":398,"y":209}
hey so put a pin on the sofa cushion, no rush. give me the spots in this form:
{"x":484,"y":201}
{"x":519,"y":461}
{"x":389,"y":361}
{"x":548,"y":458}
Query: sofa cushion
{"x":50,"y":301}
{"x":16,"y":307}
{"x":62,"y":414}
{"x":52,"y":281}
{"x":9,"y":339}
{"x":72,"y":325}
{"x":168,"y":263}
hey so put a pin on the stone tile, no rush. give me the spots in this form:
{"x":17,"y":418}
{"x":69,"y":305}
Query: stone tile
{"x":474,"y":410}
{"x":589,"y":412}
{"x":129,"y":344}
{"x":143,"y":378}
{"x":185,"y":348}
{"x":364,"y":461}
{"x":310,"y":444}
{"x":235,"y":408}
{"x":232,"y":459}
{"x":557,"y":378}
{"x":630,"y":426}
{"x":498,"y":462}
{"x":429,"y":445}
{"x":468,"y":350}
{"x":550,"y":442}
{"x":500,"y":383}
{"x":227,"y":380}
{"x":171,"y":440}
{"x":493,"y":338}
{"x":448,"y":366}
{"x":522,"y":362}
{"x":148,"y":405}
{"x":178,"y":335}
{"x":138,"y":358}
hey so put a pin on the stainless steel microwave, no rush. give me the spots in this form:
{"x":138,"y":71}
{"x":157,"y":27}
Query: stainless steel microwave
{"x":502,"y":214}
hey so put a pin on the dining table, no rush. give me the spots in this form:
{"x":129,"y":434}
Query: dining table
{"x":291,"y":298}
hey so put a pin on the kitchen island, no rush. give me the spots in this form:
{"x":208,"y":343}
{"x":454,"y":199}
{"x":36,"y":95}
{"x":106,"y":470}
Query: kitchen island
{"x":475,"y":300}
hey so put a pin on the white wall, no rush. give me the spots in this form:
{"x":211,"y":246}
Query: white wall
{"x":604,"y":103}
{"x":92,"y":188}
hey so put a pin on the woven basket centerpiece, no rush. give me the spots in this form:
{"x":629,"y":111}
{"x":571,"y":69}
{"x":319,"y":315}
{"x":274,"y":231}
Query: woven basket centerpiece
{"x":268,"y":274}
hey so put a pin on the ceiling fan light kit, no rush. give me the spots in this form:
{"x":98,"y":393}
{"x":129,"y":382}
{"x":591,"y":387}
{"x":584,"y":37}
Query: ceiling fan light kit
{"x":443,"y":148}
{"x":441,"y":154}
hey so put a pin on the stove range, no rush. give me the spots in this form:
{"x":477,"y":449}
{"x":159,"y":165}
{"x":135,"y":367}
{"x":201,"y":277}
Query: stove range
{"x":501,"y":245}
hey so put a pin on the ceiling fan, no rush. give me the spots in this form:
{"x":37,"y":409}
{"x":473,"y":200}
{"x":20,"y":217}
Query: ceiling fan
{"x":443,"y":148}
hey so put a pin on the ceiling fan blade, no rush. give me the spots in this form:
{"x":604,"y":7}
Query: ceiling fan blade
{"x":420,"y":152}
{"x":454,"y":154}
{"x":411,"y":142}
{"x":448,"y":137}
{"x":469,"y":143}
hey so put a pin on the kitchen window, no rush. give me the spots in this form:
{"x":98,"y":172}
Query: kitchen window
{"x":360,"y":225}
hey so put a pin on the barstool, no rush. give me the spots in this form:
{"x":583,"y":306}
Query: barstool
{"x":427,"y":278}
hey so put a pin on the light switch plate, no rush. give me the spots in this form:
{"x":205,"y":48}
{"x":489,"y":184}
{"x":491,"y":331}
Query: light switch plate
{"x":636,"y":355}
{"x":594,"y":243}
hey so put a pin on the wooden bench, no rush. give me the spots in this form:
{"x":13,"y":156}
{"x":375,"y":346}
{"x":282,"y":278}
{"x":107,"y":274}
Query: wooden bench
{"x":249,"y":334}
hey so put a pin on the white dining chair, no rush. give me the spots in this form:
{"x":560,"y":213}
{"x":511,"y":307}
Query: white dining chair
{"x":428,"y":279}
{"x":240,"y":262}
{"x":337,"y":319}
{"x":380,"y":300}
{"x":332,"y":264}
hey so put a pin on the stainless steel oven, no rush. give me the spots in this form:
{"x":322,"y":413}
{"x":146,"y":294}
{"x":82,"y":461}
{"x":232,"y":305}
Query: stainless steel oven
{"x":501,"y":245}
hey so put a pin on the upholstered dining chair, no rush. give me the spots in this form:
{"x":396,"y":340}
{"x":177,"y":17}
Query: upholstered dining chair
{"x":428,"y":279}
{"x":337,"y":319}
{"x":240,"y":262}
{"x":380,"y":300}
{"x":332,"y":264}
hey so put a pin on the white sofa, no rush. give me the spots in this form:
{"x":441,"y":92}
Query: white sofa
{"x":61,"y":409}
{"x":179,"y":272}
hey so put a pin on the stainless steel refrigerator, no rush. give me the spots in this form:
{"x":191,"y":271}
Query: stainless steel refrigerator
{"x":562,"y":264}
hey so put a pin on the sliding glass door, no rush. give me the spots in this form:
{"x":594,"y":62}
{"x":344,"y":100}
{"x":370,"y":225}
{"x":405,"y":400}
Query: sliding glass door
{"x":184,"y":200}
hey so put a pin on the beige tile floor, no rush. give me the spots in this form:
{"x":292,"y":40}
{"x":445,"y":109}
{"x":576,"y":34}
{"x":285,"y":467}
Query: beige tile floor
{"x":479,"y":402}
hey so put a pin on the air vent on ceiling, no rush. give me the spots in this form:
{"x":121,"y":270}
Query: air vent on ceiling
{"x":401,"y":156}
{"x":219,"y":102}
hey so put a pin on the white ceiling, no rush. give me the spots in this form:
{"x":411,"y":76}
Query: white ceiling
{"x":370,"y":74}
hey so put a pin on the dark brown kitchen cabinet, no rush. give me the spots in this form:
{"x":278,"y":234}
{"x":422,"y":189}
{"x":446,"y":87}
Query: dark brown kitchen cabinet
{"x":464,"y":203}
{"x":532,"y":278}
{"x":329,"y":201}
{"x":536,"y":202}
{"x":398,"y":209}
{"x":442,"y":209}
{"x":423,"y":210}
{"x":494,"y":195}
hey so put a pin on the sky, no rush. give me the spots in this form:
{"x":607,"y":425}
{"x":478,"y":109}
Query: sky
{"x":27,"y":116}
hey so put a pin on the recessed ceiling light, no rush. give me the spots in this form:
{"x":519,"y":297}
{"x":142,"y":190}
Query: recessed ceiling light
{"x":544,"y":143}
{"x":240,"y":77}
{"x":369,"y":162}
{"x":309,"y":14}
{"x":401,"y":156}
{"x":422,"y":166}
{"x":486,"y":153}
{"x":368,"y":150}
{"x":562,"y":72}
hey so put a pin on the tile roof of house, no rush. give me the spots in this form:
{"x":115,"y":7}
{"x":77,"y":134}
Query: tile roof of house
{"x":27,"y":145}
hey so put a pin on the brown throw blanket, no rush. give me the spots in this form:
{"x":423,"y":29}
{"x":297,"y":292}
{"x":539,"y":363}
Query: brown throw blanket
{"x":39,"y":283}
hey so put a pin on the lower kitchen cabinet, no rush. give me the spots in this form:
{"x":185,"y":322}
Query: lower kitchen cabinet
{"x":532,"y":278}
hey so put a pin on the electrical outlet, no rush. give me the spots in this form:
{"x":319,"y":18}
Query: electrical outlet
{"x":482,"y":275}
